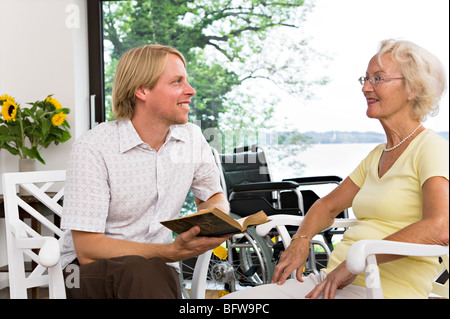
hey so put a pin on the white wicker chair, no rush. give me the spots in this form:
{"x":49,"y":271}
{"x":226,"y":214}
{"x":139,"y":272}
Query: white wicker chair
{"x":22,"y":240}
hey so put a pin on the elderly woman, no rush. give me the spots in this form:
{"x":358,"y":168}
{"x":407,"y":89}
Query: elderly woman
{"x":399,"y":192}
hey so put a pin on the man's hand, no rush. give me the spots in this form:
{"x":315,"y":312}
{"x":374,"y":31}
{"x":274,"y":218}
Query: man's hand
{"x":188,"y":244}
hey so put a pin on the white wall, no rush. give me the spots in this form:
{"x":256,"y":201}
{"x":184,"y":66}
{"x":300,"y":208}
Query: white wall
{"x":44,"y":51}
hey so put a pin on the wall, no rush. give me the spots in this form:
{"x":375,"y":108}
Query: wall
{"x":44,"y":51}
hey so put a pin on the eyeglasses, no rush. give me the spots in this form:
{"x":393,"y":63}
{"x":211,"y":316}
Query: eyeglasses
{"x":374,"y":80}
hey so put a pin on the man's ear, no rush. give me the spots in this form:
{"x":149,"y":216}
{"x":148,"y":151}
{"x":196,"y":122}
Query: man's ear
{"x":141,"y":93}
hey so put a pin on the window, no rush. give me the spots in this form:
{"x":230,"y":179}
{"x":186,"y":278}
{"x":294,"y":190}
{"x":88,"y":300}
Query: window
{"x":272,"y":66}
{"x":229,"y":61}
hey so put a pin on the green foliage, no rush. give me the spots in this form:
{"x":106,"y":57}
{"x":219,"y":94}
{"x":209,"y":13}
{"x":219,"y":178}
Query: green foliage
{"x":222,"y":41}
{"x":25,"y":131}
{"x":209,"y":102}
{"x":227,"y":45}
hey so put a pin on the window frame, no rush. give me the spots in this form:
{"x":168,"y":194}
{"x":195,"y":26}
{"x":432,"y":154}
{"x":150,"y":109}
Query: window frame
{"x":96,"y":59}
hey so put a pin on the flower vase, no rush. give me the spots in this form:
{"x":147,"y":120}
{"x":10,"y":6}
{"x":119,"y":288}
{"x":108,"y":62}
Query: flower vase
{"x":26,"y":165}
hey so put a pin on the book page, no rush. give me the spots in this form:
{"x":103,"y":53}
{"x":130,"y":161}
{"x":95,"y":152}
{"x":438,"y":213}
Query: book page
{"x":255,"y":219}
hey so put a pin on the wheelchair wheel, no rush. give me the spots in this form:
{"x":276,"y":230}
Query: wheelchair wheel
{"x":243,"y":261}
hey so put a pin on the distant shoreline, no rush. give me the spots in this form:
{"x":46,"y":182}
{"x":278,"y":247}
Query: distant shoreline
{"x":342,"y":137}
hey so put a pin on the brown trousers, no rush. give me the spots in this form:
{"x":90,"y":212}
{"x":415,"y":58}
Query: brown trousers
{"x":127,"y":277}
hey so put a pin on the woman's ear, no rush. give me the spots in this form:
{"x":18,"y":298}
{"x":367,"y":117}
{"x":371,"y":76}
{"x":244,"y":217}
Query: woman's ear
{"x":411,"y":93}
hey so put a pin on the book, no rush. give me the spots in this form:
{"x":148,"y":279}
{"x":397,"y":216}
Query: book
{"x":215,"y":223}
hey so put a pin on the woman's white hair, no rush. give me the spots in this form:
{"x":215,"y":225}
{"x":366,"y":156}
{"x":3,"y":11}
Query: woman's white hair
{"x":424,"y":75}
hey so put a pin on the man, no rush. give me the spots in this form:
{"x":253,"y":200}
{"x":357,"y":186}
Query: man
{"x":126,"y":176}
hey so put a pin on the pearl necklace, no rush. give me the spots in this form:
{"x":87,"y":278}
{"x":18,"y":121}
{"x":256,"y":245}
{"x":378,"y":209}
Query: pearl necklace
{"x":393,"y":148}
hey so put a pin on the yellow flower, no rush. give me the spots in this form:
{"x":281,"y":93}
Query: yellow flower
{"x":223,"y":293}
{"x":58,"y":119}
{"x":220,"y":252}
{"x":5,"y":97}
{"x":9,"y":110}
{"x":54,"y":102}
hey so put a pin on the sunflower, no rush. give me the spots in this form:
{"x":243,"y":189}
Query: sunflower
{"x":9,"y":110}
{"x":58,"y":119}
{"x":54,"y":102}
{"x":5,"y":97}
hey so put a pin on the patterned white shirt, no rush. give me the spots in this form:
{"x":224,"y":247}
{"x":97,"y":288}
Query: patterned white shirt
{"x":118,"y":185}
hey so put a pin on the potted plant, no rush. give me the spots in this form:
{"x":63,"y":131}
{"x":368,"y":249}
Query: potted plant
{"x":25,"y":131}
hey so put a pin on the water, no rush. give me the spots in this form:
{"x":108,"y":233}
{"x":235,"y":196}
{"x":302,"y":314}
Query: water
{"x":319,"y":160}
{"x":322,"y":159}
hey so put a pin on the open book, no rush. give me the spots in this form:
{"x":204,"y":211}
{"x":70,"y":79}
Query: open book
{"x":215,"y":223}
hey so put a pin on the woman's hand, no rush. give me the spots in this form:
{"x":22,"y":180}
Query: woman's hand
{"x":319,"y":217}
{"x":293,"y":258}
{"x":337,"y":279}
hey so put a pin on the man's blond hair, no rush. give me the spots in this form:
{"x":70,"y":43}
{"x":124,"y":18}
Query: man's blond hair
{"x":141,"y":66}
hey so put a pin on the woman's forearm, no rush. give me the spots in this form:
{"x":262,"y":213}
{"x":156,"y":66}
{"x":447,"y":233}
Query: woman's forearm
{"x":322,"y":213}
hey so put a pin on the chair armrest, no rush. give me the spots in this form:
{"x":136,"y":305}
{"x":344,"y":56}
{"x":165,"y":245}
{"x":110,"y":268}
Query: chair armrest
{"x":199,"y":277}
{"x":49,"y":254}
{"x":362,"y":257}
{"x":17,"y":230}
{"x":278,"y":220}
{"x":49,"y":251}
{"x":292,"y":220}
{"x":359,"y":251}
{"x":281,"y":221}
{"x":344,"y":222}
{"x":265,"y":186}
{"x":315,"y":180}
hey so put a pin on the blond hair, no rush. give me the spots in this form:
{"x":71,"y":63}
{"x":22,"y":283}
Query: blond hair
{"x":424,"y":75}
{"x":141,"y":66}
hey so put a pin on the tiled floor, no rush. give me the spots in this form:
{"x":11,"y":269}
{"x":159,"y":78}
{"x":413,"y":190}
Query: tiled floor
{"x":4,"y":293}
{"x":43,"y":293}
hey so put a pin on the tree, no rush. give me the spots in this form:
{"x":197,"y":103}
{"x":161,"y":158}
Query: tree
{"x":221,"y":40}
{"x":234,"y":50}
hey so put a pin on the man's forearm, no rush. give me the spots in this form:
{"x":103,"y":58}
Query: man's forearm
{"x":90,"y":247}
{"x":94,"y":246}
{"x":218,"y":200}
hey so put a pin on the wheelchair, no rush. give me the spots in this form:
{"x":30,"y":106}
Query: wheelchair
{"x":247,"y":260}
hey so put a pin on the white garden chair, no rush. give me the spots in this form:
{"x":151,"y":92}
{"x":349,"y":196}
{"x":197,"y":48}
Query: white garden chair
{"x":361,"y":255}
{"x":280,"y":221}
{"x":23,"y":240}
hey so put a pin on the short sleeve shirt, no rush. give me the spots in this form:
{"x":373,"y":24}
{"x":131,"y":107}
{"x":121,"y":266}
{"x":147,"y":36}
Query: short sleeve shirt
{"x":118,"y":185}
{"x":387,"y":204}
